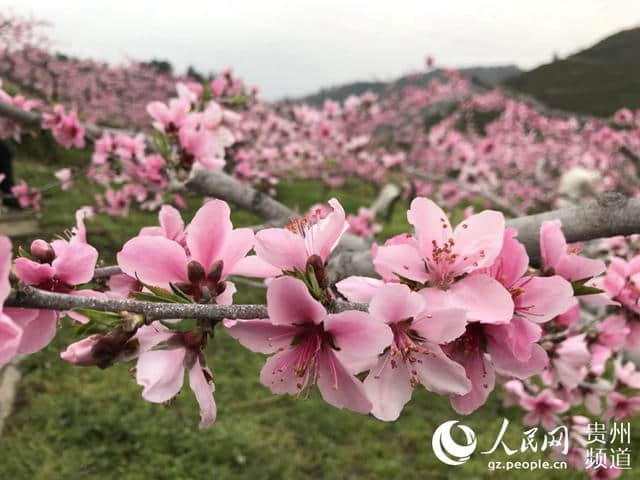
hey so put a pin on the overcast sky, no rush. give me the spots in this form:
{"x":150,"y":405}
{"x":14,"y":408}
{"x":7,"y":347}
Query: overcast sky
{"x":296,"y":47}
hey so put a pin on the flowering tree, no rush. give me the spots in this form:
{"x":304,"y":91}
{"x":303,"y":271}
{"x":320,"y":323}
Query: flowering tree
{"x":454,"y":309}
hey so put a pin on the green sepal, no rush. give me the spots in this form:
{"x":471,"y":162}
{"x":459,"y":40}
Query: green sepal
{"x":184,"y":325}
{"x":579,"y":288}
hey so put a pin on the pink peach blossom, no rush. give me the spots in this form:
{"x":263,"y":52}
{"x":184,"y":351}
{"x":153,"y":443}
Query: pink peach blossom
{"x":289,"y":248}
{"x":563,"y":260}
{"x":441,"y":257}
{"x":309,"y":346}
{"x":214,"y":250}
{"x":415,"y":356}
{"x":543,"y":409}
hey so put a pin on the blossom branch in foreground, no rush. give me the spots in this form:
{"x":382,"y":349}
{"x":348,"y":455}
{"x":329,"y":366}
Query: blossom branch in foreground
{"x":28,"y":297}
{"x":611,"y":215}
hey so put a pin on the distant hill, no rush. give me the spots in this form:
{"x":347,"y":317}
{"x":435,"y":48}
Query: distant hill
{"x":597,"y":81}
{"x":482,"y":76}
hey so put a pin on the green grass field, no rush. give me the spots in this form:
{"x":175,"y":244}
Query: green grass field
{"x":83,"y":423}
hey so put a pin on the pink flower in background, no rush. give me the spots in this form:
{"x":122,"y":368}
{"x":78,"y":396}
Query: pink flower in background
{"x":212,"y":120}
{"x":606,"y":472}
{"x":543,"y":409}
{"x":290,"y":248}
{"x":218,"y":85}
{"x":310,"y":347}
{"x":621,"y":406}
{"x":620,"y":282}
{"x":65,"y":176}
{"x":415,"y":356}
{"x":27,"y":196}
{"x":201,"y":146}
{"x":114,"y":202}
{"x":627,"y":374}
{"x":189,"y":91}
{"x":9,"y":128}
{"x":66,"y":128}
{"x":102,"y":148}
{"x":624,"y":116}
{"x":169,"y":118}
{"x":599,"y":356}
{"x":363,"y":224}
{"x":613,"y":332}
{"x":513,"y":392}
{"x":128,"y":147}
{"x":571,"y":317}
{"x":568,"y":363}
{"x":179,"y":202}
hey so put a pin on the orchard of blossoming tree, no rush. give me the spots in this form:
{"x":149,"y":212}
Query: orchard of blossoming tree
{"x":502,"y":298}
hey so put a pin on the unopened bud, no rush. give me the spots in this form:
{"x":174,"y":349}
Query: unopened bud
{"x":195,"y":271}
{"x":42,"y":251}
{"x":81,"y":352}
{"x":109,"y":347}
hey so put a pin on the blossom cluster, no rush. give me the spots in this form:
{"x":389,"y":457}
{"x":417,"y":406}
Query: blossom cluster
{"x":455,"y":310}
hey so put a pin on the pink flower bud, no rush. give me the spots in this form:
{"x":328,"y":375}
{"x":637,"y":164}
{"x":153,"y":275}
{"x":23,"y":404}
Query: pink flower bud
{"x":43,"y":251}
{"x":81,"y":352}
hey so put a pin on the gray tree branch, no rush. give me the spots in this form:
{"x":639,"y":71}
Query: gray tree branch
{"x":29,"y":297}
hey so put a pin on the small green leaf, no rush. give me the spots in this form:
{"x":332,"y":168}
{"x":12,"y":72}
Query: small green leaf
{"x":159,"y":294}
{"x":99,"y":322}
{"x":580,"y":287}
{"x":185,"y":325}
{"x":179,"y":293}
{"x":150,"y":297}
{"x":23,"y":253}
{"x":585,"y":290}
{"x":313,"y":282}
{"x":161,"y":144}
{"x":98,"y":316}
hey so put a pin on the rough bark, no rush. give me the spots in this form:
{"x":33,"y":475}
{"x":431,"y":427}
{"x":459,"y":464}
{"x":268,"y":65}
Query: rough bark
{"x":28,"y":297}
{"x":611,"y":215}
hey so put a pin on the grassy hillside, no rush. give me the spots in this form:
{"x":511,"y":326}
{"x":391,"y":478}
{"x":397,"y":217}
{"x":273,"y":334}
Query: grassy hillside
{"x":598,"y":80}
